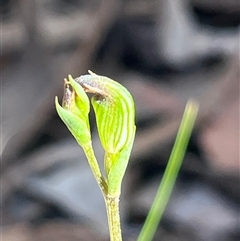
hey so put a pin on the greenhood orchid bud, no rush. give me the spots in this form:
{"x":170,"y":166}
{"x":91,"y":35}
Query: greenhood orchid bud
{"x":114,"y":109}
{"x":74,"y":111}
{"x":115,"y":116}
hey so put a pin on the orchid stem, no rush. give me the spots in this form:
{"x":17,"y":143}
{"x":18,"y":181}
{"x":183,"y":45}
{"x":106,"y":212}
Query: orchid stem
{"x":88,"y":150}
{"x":112,"y":206}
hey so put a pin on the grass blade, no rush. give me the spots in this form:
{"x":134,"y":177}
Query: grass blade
{"x":170,"y":175}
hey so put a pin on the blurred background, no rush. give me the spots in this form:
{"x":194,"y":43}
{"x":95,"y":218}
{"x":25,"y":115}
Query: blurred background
{"x":164,"y":52}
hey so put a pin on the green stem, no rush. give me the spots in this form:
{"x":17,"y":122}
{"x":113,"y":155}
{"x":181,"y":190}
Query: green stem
{"x":88,"y":150}
{"x":112,"y":206}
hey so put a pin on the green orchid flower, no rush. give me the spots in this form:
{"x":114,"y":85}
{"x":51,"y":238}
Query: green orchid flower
{"x":115,"y":116}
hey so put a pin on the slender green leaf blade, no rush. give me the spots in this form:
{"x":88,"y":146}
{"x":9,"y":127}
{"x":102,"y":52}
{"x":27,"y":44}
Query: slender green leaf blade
{"x":171,"y":173}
